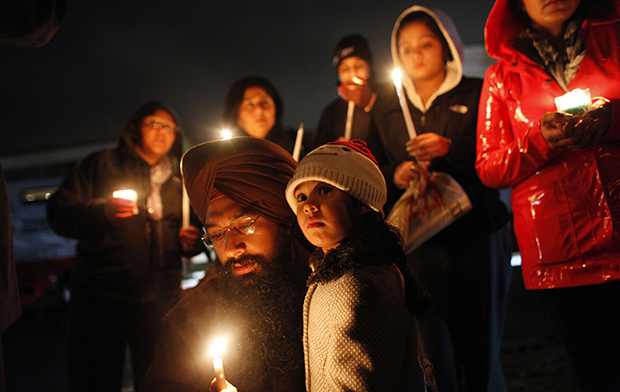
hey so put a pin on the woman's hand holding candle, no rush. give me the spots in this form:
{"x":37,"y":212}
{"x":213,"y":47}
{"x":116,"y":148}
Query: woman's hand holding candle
{"x":428,"y":146}
{"x":123,"y":204}
{"x":563,"y":131}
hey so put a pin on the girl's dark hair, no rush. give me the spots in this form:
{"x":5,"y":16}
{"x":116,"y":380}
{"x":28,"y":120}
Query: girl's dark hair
{"x":420,"y":16}
{"x":234,"y":98}
{"x":418,"y":302}
{"x":134,"y":125}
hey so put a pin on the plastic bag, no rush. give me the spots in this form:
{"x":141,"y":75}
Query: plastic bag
{"x":429,"y":204}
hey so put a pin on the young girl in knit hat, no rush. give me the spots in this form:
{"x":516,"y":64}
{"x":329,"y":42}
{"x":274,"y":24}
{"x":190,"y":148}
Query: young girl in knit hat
{"x":358,"y":332}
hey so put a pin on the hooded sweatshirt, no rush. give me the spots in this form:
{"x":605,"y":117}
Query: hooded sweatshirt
{"x":450,"y":112}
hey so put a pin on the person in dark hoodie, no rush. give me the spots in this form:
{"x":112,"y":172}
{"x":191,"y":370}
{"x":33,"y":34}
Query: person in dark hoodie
{"x":128,"y":264}
{"x":465,"y":267}
{"x":255,"y":108}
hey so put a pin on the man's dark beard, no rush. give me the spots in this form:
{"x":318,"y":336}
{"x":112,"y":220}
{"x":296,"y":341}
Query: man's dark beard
{"x":263,"y":313}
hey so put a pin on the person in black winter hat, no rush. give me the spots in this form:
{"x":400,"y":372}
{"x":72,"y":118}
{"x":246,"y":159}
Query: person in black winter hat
{"x":349,"y":116}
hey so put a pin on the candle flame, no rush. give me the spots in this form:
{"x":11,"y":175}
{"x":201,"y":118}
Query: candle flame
{"x":397,"y":76}
{"x":574,"y":102}
{"x":226,"y":134}
{"x":217,"y":347}
{"x":127,"y":194}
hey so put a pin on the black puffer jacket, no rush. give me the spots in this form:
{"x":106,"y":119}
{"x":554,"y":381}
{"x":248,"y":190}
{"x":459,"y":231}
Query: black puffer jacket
{"x":119,"y":258}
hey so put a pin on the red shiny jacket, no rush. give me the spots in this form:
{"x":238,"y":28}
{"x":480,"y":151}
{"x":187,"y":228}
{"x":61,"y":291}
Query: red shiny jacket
{"x":566,"y":204}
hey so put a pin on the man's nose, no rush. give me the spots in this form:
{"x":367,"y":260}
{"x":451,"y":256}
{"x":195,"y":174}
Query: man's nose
{"x":234,"y":245}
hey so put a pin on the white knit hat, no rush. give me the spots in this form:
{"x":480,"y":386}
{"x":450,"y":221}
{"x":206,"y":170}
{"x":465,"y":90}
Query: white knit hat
{"x":348,"y":166}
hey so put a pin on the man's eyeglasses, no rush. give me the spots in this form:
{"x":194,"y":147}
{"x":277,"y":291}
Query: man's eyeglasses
{"x":156,"y":125}
{"x":244,"y":225}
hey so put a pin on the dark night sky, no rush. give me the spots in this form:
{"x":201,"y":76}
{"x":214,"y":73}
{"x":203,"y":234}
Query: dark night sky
{"x":109,"y":57}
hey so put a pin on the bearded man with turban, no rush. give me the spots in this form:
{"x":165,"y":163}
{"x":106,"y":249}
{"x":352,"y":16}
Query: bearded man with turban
{"x":254,"y":296}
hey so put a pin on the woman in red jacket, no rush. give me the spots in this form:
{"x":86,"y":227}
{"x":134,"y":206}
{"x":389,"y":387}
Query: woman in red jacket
{"x":564,"y":169}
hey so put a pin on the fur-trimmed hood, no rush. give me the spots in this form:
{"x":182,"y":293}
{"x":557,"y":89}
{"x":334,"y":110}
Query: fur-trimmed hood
{"x":376,"y":245}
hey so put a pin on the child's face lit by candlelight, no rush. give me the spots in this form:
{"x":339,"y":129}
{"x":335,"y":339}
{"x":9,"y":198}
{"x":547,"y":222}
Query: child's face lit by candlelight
{"x":326,"y":214}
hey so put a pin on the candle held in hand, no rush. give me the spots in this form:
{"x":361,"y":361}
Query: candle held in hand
{"x":574,"y":102}
{"x":217,"y":348}
{"x":127,"y":194}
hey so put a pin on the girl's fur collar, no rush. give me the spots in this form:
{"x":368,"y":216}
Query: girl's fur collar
{"x":376,"y":245}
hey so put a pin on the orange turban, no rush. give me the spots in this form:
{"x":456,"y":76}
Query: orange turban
{"x":252,"y":172}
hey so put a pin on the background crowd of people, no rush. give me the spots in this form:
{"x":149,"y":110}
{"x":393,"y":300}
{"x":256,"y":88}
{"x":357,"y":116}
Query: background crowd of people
{"x":447,"y":298}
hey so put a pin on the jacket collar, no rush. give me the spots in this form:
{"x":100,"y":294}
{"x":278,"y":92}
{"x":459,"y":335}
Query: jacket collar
{"x":374,"y":246}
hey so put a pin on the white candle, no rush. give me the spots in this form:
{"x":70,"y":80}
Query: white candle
{"x":127,"y":194}
{"x":185,"y":208}
{"x":403,"y":103}
{"x":298,"y":141}
{"x":217,"y":348}
{"x":347,"y":128}
{"x":574,"y":102}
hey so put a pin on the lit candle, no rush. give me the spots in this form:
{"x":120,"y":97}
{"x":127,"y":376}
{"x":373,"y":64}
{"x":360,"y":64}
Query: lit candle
{"x":185,"y":208}
{"x":298,"y":141}
{"x":574,"y":102}
{"x":226,"y":134}
{"x":403,"y":103}
{"x":217,"y":348}
{"x":127,"y":194}
{"x":347,"y":127}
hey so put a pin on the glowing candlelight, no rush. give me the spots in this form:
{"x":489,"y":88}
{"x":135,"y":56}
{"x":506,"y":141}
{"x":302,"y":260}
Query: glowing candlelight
{"x":217,"y":348}
{"x":347,"y":127}
{"x":403,"y":103}
{"x":127,"y":194}
{"x":574,"y":102}
{"x":226,"y":134}
{"x":298,"y":141}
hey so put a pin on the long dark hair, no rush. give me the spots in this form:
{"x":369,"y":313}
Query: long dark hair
{"x":234,"y":98}
{"x":418,"y":302}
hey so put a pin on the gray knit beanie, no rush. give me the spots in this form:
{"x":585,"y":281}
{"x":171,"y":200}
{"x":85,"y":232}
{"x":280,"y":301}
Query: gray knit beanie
{"x":346,"y":165}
